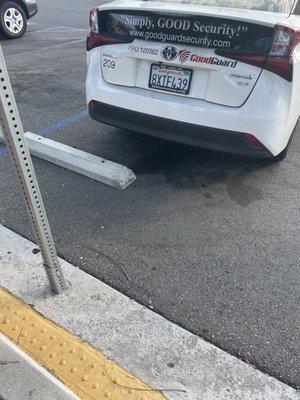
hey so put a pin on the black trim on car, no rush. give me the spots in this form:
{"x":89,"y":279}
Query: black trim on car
{"x":210,"y":138}
{"x":32,"y":10}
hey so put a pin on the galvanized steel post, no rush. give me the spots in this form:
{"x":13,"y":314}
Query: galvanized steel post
{"x":13,"y":133}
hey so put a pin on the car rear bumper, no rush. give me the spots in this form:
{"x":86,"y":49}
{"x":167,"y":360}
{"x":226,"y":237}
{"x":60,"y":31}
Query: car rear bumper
{"x":32,"y":10}
{"x":210,"y":138}
{"x":266,"y":116}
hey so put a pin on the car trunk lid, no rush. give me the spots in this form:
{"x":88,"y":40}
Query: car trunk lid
{"x":221,"y":51}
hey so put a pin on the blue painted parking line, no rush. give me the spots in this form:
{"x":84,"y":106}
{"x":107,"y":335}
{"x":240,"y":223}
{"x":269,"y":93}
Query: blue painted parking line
{"x":63,"y":122}
{"x":57,"y":125}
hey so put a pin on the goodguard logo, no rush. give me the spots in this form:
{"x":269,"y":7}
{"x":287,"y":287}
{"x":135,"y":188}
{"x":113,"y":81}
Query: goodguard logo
{"x":184,"y":56}
{"x":169,"y":53}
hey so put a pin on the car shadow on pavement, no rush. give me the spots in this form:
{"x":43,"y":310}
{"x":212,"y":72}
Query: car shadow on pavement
{"x":190,"y":168}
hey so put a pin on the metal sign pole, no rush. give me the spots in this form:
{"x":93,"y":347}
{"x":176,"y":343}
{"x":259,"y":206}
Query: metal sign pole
{"x":13,"y":133}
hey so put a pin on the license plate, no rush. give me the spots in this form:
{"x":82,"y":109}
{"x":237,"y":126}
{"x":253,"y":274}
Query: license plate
{"x":171,"y":79}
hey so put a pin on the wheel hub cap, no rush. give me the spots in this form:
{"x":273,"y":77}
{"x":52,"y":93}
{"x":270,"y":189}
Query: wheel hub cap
{"x":13,"y":20}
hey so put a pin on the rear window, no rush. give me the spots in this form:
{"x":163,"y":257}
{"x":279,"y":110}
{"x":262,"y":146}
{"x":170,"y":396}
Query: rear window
{"x":193,"y":30}
{"x":278,"y":6}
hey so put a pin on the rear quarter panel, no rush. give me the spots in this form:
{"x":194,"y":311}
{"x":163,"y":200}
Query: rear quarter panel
{"x":294,"y":21}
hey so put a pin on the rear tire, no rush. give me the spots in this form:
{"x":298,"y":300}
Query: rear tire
{"x":13,"y":21}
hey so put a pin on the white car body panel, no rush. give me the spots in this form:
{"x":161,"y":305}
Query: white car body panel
{"x":132,"y":69}
{"x":267,"y":106}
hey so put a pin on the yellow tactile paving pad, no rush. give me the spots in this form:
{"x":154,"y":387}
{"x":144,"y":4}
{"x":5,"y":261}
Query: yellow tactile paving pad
{"x":83,"y":369}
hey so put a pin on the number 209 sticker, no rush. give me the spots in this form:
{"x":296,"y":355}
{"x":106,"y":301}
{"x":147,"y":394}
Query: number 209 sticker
{"x":108,"y":62}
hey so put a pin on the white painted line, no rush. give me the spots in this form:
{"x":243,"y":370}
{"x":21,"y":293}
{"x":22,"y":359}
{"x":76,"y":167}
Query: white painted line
{"x":152,"y":348}
{"x":56,"y":46}
{"x":58,"y":29}
{"x":105,"y":171}
{"x":22,"y":373}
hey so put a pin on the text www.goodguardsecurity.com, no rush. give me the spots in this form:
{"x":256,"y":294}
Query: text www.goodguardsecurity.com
{"x":180,"y":38}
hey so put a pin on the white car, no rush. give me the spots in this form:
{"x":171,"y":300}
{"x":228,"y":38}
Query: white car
{"x":220,"y":74}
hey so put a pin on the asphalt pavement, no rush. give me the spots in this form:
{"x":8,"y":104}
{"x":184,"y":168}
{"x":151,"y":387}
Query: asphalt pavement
{"x":210,"y":241}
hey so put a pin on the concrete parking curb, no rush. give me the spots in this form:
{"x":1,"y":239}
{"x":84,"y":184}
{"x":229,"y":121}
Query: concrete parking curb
{"x":155,"y":350}
{"x":97,"y":168}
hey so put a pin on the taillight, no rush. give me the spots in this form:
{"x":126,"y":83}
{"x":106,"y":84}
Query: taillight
{"x":279,"y":60}
{"x":275,"y":56}
{"x":95,"y":38}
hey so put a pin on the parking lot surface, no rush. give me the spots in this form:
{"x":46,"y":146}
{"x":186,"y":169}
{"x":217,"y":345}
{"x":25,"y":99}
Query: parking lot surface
{"x":210,"y":241}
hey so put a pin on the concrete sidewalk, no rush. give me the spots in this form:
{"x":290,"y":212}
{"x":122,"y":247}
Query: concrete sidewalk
{"x":168,"y":358}
{"x":22,"y":378}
